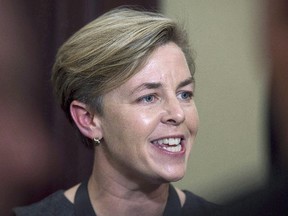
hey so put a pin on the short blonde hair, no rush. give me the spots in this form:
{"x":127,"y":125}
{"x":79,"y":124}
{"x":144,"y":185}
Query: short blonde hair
{"x":108,"y":51}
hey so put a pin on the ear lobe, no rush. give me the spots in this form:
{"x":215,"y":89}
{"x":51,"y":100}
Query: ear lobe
{"x":85,"y":120}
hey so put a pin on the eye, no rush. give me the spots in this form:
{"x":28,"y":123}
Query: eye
{"x":147,"y":99}
{"x":185,"y":95}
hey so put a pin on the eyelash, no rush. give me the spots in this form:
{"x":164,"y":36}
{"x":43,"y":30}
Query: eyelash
{"x":189,"y":94}
{"x":143,"y":99}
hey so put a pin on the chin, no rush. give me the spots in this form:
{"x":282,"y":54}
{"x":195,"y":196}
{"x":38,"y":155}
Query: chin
{"x":174,"y":176}
{"x":177,"y":178}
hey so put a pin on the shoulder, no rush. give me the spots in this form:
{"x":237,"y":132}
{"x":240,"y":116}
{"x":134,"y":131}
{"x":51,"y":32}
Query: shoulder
{"x":55,"y":204}
{"x":197,"y":205}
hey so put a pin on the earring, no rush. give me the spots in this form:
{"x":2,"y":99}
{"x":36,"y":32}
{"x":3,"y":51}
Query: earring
{"x":97,"y":141}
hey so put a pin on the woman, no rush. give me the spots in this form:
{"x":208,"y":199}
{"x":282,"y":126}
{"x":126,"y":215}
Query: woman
{"x":126,"y":82}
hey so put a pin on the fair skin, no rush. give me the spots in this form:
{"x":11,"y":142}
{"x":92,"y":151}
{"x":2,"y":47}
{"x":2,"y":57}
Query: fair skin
{"x":147,"y":129}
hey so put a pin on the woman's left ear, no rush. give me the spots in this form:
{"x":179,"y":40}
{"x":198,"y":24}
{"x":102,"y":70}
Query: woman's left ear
{"x":88,"y":124}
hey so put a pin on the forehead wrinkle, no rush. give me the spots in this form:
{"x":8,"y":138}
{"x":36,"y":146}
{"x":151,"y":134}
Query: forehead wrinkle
{"x":147,"y":85}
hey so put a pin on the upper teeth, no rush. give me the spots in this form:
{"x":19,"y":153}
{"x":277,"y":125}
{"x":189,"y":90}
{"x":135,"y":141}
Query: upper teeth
{"x":168,"y":141}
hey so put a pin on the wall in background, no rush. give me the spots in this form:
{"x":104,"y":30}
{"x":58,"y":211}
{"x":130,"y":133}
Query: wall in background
{"x":229,"y":156}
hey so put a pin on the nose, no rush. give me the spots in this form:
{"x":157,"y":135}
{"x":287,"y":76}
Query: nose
{"x":173,"y":112}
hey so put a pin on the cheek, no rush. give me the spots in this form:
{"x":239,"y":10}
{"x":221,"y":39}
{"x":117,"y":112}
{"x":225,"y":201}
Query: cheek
{"x":129,"y":124}
{"x":192,"y":119}
{"x":147,"y":118}
{"x":143,"y":122}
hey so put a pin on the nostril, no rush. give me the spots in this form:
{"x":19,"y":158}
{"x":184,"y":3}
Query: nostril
{"x":172,"y":121}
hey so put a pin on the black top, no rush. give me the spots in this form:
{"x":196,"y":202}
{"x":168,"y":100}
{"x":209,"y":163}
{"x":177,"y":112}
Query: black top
{"x":58,"y":204}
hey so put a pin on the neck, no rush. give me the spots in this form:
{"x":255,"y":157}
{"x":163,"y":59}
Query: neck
{"x":113,"y":194}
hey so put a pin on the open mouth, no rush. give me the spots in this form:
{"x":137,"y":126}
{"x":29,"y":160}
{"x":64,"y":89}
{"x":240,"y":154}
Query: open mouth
{"x":169,"y":144}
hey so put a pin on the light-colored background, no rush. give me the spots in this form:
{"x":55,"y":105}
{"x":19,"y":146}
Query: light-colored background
{"x":229,"y":156}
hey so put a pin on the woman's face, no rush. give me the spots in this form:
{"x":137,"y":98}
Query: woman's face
{"x":150,"y":122}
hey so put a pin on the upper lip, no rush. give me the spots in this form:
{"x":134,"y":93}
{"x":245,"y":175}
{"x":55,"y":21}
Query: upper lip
{"x":169,"y":136}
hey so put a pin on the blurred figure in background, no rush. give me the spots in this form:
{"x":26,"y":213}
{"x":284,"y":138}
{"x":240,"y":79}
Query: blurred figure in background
{"x":277,"y":38}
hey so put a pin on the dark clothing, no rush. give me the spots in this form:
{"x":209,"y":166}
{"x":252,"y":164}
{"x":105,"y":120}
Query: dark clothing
{"x":55,"y":204}
{"x":195,"y":205}
{"x":271,"y":200}
{"x":58,"y":204}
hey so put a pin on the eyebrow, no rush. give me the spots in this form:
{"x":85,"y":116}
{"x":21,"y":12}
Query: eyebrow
{"x":186,"y":82}
{"x":157,"y":85}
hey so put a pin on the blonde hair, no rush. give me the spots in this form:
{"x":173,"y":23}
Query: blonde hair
{"x":108,"y":51}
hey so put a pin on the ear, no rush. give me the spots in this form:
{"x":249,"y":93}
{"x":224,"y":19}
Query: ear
{"x":88,"y":123}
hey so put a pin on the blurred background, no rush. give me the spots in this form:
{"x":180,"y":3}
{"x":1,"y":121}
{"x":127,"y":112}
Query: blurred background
{"x":39,"y":151}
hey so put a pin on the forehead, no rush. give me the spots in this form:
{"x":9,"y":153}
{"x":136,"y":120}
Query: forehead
{"x":166,"y":63}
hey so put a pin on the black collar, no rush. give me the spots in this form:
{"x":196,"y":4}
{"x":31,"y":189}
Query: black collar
{"x":84,"y":207}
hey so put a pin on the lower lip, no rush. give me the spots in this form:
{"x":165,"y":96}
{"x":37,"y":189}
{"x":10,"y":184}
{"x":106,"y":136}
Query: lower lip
{"x":164,"y":151}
